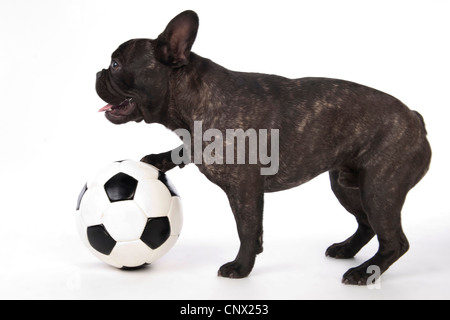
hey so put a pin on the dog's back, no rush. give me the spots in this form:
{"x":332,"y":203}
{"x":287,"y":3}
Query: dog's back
{"x":324,"y":124}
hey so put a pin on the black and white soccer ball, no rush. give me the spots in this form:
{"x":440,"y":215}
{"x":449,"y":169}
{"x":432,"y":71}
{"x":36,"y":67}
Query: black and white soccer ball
{"x":129,"y":215}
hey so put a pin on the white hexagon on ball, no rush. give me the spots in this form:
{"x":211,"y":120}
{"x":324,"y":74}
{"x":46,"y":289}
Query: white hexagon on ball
{"x":124,"y":221}
{"x":131,"y":254}
{"x":153,"y":197}
{"x":94,"y":204}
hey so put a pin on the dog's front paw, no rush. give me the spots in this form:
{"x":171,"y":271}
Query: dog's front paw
{"x":340,"y":251}
{"x":161,"y":161}
{"x":234,"y":270}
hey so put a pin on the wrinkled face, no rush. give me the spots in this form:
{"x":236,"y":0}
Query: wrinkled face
{"x":134,"y":85}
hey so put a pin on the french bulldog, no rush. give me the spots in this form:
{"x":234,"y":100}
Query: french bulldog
{"x":373,"y":146}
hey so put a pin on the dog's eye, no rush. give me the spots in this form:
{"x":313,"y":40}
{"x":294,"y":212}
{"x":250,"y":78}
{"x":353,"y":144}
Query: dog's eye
{"x":114,"y":64}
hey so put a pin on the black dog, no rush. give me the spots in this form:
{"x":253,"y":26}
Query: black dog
{"x":373,"y":146}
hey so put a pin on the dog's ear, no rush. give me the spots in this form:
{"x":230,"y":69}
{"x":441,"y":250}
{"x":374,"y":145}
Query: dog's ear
{"x":173,"y":46}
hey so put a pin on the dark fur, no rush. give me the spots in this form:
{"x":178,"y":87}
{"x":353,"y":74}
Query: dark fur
{"x":374,"y":148}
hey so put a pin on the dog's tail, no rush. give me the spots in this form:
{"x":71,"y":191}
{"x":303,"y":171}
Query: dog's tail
{"x":421,"y":120}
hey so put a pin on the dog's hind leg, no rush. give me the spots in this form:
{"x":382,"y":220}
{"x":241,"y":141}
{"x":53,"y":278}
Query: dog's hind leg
{"x":384,"y":181}
{"x":343,"y":184}
{"x":383,"y":193}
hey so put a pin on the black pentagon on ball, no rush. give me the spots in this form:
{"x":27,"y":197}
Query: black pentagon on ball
{"x":156,"y":232}
{"x":121,"y":187}
{"x":163,"y":178}
{"x":100,"y":239}
{"x":80,"y":197}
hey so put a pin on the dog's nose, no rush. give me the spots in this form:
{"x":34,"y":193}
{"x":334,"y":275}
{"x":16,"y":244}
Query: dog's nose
{"x":99,"y":74}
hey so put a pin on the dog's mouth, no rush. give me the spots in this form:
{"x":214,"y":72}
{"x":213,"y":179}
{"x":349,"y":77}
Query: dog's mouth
{"x":125,"y":108}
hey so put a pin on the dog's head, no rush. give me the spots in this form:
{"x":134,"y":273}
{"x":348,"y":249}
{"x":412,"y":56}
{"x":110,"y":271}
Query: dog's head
{"x":136,"y":84}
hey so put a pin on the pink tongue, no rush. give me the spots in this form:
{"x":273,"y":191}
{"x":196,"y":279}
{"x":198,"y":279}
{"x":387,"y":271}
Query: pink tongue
{"x":106,"y":108}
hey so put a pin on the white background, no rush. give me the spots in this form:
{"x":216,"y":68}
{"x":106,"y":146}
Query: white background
{"x":52,"y":140}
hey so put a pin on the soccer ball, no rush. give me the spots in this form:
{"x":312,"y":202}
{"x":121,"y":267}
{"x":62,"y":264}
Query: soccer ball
{"x":129,"y":215}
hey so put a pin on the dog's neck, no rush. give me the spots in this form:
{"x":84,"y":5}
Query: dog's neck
{"x":194,"y":93}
